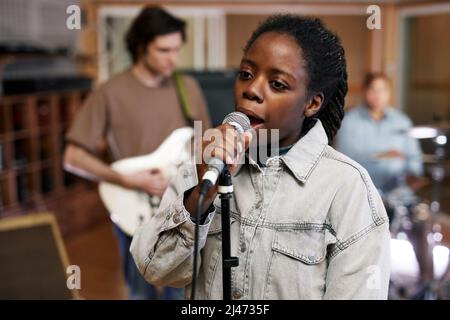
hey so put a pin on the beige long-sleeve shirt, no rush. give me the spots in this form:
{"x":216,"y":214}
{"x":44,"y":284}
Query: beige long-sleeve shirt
{"x":308,"y":225}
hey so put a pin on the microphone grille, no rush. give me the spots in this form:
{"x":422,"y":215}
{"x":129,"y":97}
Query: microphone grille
{"x":239,"y":120}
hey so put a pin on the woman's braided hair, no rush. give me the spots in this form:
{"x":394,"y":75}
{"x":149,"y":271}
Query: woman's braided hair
{"x":325,"y":63}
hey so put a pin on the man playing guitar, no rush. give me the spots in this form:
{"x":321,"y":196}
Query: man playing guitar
{"x":134,"y":112}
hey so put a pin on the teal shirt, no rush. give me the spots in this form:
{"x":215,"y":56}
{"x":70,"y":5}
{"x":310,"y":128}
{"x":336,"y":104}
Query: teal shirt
{"x":360,"y":138}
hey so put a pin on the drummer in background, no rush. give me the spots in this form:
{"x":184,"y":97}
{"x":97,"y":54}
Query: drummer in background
{"x":376,"y":135}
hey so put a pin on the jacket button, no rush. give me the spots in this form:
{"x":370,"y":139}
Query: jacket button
{"x":243,"y":247}
{"x":237,"y":294}
{"x":176,"y":218}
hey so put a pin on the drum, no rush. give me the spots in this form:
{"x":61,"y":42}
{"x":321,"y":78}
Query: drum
{"x":405,"y":280}
{"x":418,"y":260}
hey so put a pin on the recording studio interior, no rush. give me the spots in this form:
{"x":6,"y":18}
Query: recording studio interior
{"x":72,"y":161}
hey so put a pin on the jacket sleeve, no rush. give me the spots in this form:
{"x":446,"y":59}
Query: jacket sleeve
{"x":362,"y":270}
{"x":163,"y":247}
{"x":359,"y":264}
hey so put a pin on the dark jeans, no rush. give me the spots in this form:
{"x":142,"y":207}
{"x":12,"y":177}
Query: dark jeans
{"x":138,"y":288}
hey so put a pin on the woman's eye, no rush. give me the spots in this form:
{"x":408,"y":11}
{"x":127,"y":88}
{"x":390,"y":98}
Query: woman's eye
{"x":277,"y":85}
{"x":244,"y":75}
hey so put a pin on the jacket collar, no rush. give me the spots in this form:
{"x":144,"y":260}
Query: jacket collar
{"x":304,"y":155}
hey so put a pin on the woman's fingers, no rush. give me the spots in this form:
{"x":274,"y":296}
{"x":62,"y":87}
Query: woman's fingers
{"x":223,"y":154}
{"x":247,"y":139}
{"x":224,"y":143}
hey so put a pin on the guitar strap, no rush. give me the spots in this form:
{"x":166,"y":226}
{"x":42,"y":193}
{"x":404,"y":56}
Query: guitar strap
{"x":183,"y":99}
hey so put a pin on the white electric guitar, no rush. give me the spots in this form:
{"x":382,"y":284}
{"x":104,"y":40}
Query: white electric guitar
{"x":130,"y":208}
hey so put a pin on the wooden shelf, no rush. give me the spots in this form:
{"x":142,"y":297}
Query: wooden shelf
{"x":22,"y":134}
{"x":31,"y":141}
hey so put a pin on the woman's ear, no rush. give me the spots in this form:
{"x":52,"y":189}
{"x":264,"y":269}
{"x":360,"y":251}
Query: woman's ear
{"x":314,"y":104}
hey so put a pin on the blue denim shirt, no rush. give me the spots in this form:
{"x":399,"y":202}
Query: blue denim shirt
{"x":361,"y":138}
{"x":308,"y":225}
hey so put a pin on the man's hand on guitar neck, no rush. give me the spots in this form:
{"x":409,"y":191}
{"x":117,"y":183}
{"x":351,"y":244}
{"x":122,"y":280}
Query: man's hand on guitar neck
{"x":153,"y":182}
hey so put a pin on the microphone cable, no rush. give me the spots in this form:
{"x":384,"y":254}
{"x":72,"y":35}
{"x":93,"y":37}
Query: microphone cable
{"x":196,"y":244}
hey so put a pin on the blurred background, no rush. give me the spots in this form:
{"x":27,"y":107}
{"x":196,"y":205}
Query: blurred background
{"x":47,"y":70}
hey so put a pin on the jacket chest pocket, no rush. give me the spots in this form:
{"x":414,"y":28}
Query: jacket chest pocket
{"x":297,"y":267}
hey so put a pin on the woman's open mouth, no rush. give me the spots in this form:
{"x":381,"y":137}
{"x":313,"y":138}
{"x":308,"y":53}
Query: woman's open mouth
{"x":255,"y":122}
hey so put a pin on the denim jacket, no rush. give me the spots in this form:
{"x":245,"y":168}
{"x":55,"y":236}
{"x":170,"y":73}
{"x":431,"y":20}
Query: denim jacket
{"x":308,"y":225}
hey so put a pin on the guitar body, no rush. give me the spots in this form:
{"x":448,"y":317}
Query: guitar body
{"x":130,"y":208}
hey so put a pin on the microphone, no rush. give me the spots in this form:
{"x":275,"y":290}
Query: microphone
{"x":241,"y":123}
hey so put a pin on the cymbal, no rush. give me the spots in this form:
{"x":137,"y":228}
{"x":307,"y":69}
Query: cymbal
{"x":429,"y":131}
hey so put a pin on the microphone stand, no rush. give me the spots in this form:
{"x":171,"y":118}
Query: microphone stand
{"x":225,"y":190}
